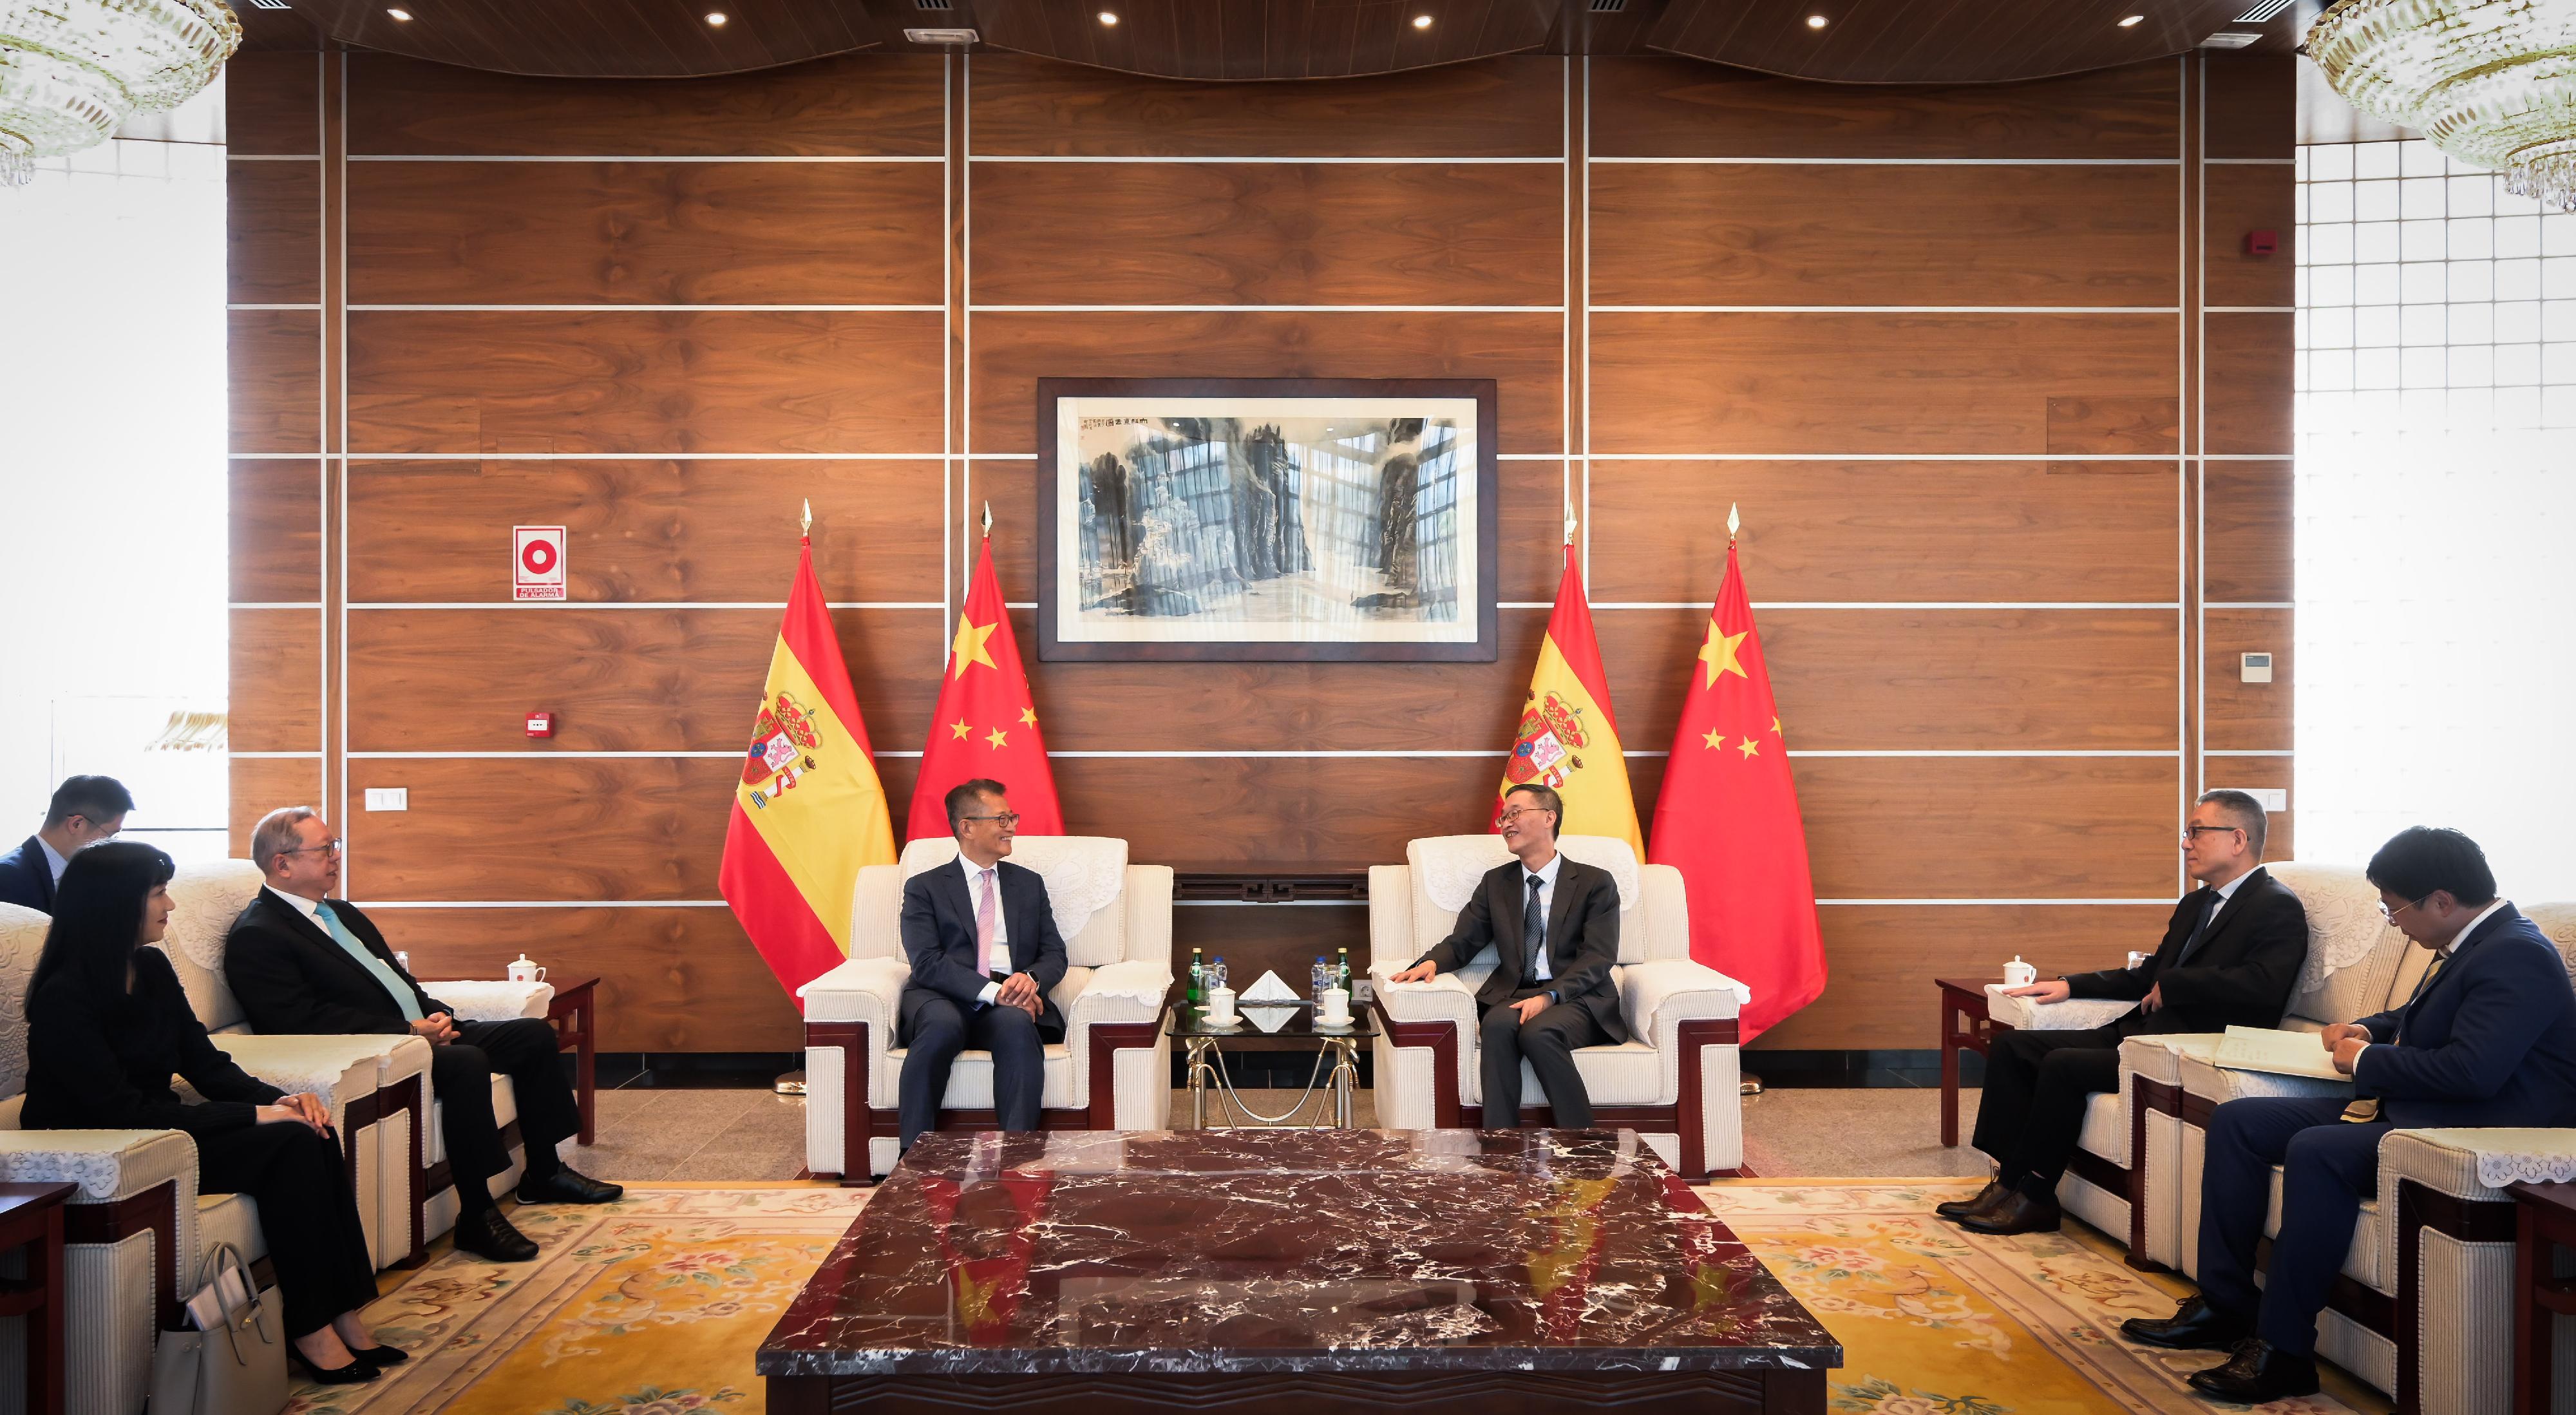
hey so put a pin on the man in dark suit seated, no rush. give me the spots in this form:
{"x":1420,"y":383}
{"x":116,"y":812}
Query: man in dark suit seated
{"x":981,"y":937}
{"x":85,"y":810}
{"x":1553,"y":924}
{"x":2230,"y":955}
{"x":2489,"y":1039}
{"x":302,"y":963}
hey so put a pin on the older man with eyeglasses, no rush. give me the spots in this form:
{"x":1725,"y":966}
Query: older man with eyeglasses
{"x":982,"y":941}
{"x":303,"y":963}
{"x":2230,"y":954}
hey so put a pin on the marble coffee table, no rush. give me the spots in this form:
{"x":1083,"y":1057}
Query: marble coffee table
{"x":1294,"y":1271}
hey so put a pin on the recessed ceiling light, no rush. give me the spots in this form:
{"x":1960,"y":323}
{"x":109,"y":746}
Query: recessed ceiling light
{"x":1815,"y":22}
{"x":1109,"y":17}
{"x":404,"y":15}
{"x":716,"y":18}
{"x":1422,"y":22}
{"x":2133,"y":20}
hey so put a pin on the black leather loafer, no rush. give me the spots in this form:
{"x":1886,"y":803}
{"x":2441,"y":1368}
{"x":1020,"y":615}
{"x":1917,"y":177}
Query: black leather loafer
{"x":2018,"y":1213}
{"x":2194,"y":1326}
{"x":1985,"y":1198}
{"x":568,"y":1186}
{"x":2256,"y":1373}
{"x":490,"y":1235}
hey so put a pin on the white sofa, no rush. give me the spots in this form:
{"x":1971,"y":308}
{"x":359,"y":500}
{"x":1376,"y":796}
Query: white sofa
{"x":377,"y":1085}
{"x":1677,"y":1080}
{"x":1111,"y":1072}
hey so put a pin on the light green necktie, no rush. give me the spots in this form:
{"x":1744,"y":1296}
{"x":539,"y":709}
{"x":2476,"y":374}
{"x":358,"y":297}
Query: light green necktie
{"x":393,"y":981}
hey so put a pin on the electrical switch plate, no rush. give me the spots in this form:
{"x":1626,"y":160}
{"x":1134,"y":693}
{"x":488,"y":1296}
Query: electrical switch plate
{"x":2257,"y":668}
{"x":389,"y":798}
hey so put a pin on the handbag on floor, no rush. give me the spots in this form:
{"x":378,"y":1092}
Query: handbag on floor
{"x":235,"y":1363}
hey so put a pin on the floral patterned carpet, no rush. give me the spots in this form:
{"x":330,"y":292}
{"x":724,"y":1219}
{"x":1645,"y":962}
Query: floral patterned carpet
{"x":1938,"y":1321}
{"x":654,"y":1305}
{"x":649,"y":1306}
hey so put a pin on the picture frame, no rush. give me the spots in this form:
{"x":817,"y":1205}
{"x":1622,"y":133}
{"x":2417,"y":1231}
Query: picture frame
{"x":1221,"y":520}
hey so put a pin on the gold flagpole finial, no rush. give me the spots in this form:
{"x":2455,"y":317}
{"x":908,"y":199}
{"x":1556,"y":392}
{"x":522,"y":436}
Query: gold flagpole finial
{"x":805,"y":527}
{"x":1732,"y":520}
{"x":988,"y":520}
{"x":1569,"y":520}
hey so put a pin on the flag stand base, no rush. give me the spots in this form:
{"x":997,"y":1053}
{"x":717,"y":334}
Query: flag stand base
{"x":1750,"y":1086}
{"x":791,"y":1083}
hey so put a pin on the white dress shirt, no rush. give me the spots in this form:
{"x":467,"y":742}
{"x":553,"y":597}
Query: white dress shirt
{"x":2446,"y":951}
{"x":1547,"y":874}
{"x":1001,"y":925}
{"x":53,"y":858}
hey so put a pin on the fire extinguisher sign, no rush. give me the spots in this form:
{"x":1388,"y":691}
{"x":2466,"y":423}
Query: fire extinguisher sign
{"x":537,"y":562}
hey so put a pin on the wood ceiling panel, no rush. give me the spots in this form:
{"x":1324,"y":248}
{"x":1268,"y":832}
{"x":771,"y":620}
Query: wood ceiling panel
{"x":630,"y":39}
{"x":1265,"y":39}
{"x":747,"y":233}
{"x":1934,"y":41}
{"x":1680,"y":108}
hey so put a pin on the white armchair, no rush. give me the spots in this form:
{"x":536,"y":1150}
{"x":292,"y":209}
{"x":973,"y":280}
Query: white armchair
{"x":1676,"y":1080}
{"x":1112,"y":1071}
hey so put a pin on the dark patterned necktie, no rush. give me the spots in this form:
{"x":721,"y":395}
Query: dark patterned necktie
{"x":2366,"y":1109}
{"x":1533,"y":934}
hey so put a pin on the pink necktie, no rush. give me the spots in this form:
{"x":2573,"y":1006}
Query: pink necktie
{"x":984,"y":928}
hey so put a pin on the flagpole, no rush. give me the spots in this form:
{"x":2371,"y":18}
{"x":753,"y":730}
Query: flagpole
{"x":792,"y":1083}
{"x":1748,"y":1084}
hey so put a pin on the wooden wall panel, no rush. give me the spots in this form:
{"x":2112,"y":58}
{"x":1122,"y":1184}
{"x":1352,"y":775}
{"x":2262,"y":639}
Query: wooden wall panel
{"x":1253,"y":813}
{"x":2253,"y":106}
{"x":644,"y":382}
{"x":1887,"y":531}
{"x":272,"y":104}
{"x":1884,"y":960}
{"x":276,"y":672}
{"x":275,"y":530}
{"x":686,"y":531}
{"x":1510,"y":107}
{"x":2249,"y":516}
{"x":2243,"y":200}
{"x":1269,"y":233}
{"x":273,"y":232}
{"x":276,"y":361}
{"x":535,"y":829}
{"x":1525,"y":353}
{"x":1772,"y":234}
{"x":2249,"y":716}
{"x":2068,"y":385}
{"x":851,"y":233}
{"x":2248,"y":384}
{"x":261,"y":785}
{"x":847,"y":106}
{"x":628,"y":680}
{"x":2263,"y":771}
{"x":1682,"y":108}
{"x":670,"y":979}
{"x":1920,"y":680}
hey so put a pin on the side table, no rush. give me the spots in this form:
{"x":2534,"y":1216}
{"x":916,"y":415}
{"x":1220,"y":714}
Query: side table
{"x":575,"y":1017}
{"x":31,"y":1217}
{"x":1964,"y":1026}
{"x":2544,"y":1220}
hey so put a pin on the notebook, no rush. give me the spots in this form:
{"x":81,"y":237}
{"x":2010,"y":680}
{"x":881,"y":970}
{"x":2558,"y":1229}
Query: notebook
{"x":2282,"y":1053}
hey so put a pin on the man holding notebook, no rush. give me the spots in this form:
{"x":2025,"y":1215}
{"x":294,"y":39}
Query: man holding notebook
{"x":2229,"y":957}
{"x":2489,"y":1039}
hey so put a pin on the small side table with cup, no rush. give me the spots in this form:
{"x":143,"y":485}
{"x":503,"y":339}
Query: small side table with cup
{"x":1214,"y":1015}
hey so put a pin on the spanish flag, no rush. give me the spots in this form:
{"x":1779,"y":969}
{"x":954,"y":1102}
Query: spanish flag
{"x":1566,"y":738}
{"x":808,"y":810}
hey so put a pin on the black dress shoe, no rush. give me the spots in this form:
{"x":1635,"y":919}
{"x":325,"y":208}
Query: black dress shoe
{"x":354,"y":1374}
{"x":488,"y":1234}
{"x":2256,"y":1373}
{"x":2194,"y":1326}
{"x":568,"y":1186}
{"x":380,"y":1356}
{"x":2019,"y":1213}
{"x":1985,"y":1198}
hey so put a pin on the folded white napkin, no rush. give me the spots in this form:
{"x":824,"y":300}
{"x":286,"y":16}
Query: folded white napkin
{"x":1270,"y":1018}
{"x":1267,"y":988}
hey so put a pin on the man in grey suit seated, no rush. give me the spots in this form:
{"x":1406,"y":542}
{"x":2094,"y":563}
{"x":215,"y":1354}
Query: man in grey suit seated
{"x":1553,"y":924}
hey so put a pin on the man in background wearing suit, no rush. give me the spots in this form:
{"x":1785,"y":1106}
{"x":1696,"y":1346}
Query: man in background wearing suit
{"x":85,"y":810}
{"x":2489,"y":1039}
{"x":302,"y":963}
{"x":985,"y":953}
{"x":2230,"y":955}
{"x":1553,"y":924}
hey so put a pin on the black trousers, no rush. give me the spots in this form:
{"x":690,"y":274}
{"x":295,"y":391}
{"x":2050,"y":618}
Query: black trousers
{"x":2037,"y":1085}
{"x":461,"y":1073}
{"x":1547,"y":1041}
{"x":941,"y":1029}
{"x":306,"y":1211}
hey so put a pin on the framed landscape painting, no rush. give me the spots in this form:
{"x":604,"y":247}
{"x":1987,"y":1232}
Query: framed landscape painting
{"x":1251,"y":519}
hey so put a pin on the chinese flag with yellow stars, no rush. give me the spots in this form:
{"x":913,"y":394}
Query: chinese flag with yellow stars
{"x":1727,"y":818}
{"x":808,"y":810}
{"x":987,"y":725}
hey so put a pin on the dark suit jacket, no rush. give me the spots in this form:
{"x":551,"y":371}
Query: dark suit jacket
{"x":2240,"y":976}
{"x":290,"y":975}
{"x":939,"y":939}
{"x":1582,"y":939}
{"x":27,"y":878}
{"x":2491,"y":1040}
{"x":104,"y":1063}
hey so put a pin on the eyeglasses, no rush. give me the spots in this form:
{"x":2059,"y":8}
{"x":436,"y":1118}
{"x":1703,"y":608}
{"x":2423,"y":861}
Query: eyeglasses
{"x":330,"y":847}
{"x":2192,"y":830}
{"x":1516,"y":812}
{"x":1007,"y":818}
{"x":2391,"y":914}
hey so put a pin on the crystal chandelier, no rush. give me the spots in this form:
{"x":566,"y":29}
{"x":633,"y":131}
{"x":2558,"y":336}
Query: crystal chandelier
{"x":2491,"y":82}
{"x":71,"y":70}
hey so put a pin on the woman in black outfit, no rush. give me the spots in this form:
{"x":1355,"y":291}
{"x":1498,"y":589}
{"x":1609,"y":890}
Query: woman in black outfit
{"x":106,"y":1025}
